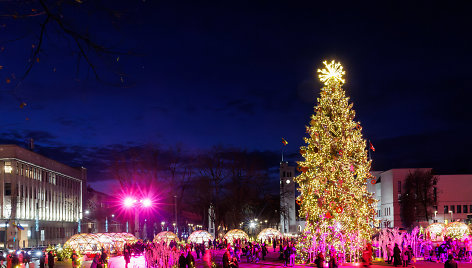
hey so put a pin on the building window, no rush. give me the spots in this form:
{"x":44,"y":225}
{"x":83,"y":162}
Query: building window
{"x":453,"y":209}
{"x":435,"y":194}
{"x":399,"y":187}
{"x":470,"y":209}
{"x":464,"y":208}
{"x":7,"y":189}
{"x":7,"y":168}
{"x":446,"y":209}
{"x":459,"y":209}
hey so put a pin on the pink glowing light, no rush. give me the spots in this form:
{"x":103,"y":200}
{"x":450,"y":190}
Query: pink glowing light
{"x":146,"y":202}
{"x":129,"y":202}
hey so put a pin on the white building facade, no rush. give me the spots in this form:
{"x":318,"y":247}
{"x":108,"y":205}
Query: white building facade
{"x":41,"y":199}
{"x":453,"y":194}
{"x":290,"y":223}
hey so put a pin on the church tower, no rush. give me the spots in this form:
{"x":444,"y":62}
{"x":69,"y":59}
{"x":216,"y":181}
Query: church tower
{"x":288,"y":219}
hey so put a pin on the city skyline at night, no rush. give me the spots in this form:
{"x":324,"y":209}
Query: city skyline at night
{"x":238,"y":76}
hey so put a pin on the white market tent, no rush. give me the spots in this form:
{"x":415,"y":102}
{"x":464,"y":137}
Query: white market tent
{"x":235,"y":234}
{"x":166,"y":236}
{"x":268,"y":233}
{"x":200,"y":236}
{"x":93,"y":243}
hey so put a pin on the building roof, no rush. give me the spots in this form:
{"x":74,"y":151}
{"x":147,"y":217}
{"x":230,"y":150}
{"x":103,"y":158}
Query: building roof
{"x":17,"y":152}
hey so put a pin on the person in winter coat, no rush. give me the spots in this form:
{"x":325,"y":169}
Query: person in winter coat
{"x":397,"y":256}
{"x":127,"y":256}
{"x":450,"y":263}
{"x":226,"y":258}
{"x":96,"y":263}
{"x":406,"y":257}
{"x":367,"y":256}
{"x":286,"y":254}
{"x":333,"y":262}
{"x":388,"y":249}
{"x":319,"y":261}
{"x":50,"y":259}
{"x":9,"y":259}
{"x":42,"y":260}
{"x":182,"y":261}
{"x":2,"y":259}
{"x":264,"y":251}
{"x":190,"y":260}
{"x":293,"y":254}
{"x":75,"y":259}
{"x":14,"y":260}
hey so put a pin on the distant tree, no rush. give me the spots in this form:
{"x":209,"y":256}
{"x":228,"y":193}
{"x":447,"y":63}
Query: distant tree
{"x":419,"y":196}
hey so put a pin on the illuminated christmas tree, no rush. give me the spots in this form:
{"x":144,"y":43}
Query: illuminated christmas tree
{"x":334,"y":200}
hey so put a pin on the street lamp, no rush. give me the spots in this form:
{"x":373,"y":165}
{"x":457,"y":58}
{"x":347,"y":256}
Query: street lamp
{"x":435,"y":215}
{"x":146,"y":202}
{"x":130,"y":202}
{"x":450,"y":211}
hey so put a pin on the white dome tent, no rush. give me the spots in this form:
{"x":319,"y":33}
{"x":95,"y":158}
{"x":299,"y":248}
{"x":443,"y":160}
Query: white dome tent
{"x":236,"y":234}
{"x":166,"y":236}
{"x":93,"y":243}
{"x":200,"y":236}
{"x":268,"y":233}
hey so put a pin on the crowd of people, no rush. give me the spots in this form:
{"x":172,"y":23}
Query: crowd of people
{"x":182,"y":255}
{"x":447,"y":252}
{"x":100,"y":260}
{"x":23,"y":259}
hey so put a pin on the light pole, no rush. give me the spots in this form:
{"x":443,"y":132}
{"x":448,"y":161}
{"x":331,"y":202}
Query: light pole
{"x":252,"y":225}
{"x":435,"y":216}
{"x":130,"y":202}
{"x":452,"y":219}
{"x":162,"y":225}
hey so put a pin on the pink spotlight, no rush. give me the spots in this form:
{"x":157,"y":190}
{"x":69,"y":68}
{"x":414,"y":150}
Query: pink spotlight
{"x":146,"y":202}
{"x":129,"y":202}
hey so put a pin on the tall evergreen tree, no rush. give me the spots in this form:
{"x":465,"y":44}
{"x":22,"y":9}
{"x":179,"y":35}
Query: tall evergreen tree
{"x":338,"y":209}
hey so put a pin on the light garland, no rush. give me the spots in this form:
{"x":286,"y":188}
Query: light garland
{"x":435,"y":231}
{"x":456,"y":230}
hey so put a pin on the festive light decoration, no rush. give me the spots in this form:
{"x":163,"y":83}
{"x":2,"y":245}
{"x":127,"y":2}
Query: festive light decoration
{"x":235,"y":234}
{"x":166,"y":236}
{"x":434,"y":231}
{"x":200,"y":236}
{"x":93,"y":243}
{"x":332,"y":73}
{"x":456,"y":230}
{"x":338,"y":209}
{"x":267,"y":233}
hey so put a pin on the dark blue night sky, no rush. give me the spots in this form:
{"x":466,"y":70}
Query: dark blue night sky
{"x":240,"y":75}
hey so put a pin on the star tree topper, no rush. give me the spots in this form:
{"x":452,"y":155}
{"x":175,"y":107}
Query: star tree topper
{"x":332,"y":71}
